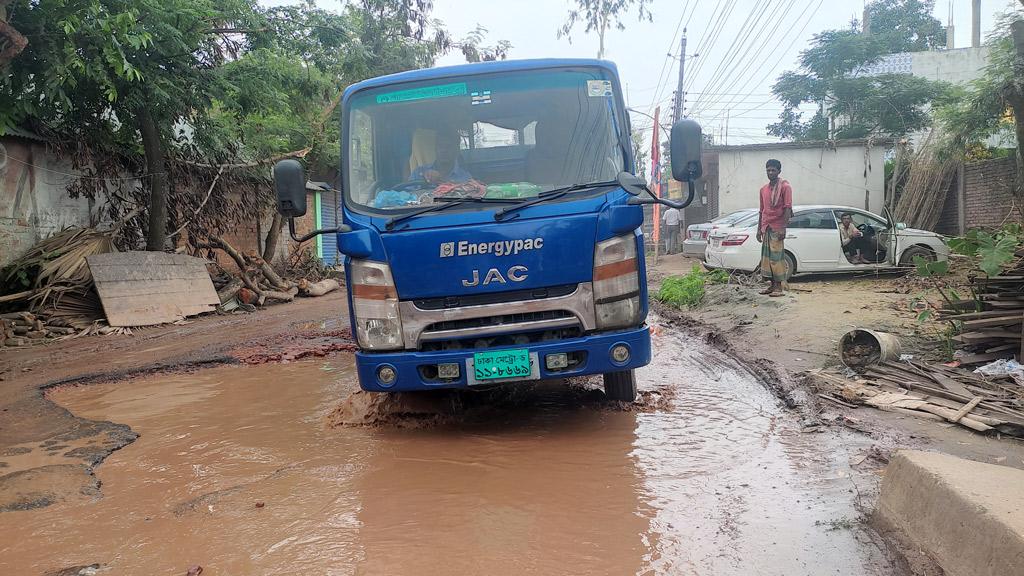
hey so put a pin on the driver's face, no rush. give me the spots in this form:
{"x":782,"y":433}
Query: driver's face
{"x":447,"y":150}
{"x":846,"y":220}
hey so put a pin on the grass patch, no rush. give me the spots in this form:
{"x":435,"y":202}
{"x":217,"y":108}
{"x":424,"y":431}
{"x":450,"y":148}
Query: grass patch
{"x":688,"y":291}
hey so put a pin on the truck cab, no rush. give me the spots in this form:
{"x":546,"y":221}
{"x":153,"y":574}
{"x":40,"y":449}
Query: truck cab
{"x":492,"y":227}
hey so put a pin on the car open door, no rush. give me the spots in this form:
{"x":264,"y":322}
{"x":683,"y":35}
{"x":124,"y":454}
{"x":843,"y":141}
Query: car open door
{"x":890,"y":238}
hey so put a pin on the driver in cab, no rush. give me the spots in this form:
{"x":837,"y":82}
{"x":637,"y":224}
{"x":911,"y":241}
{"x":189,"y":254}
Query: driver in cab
{"x":853,"y":240}
{"x":445,"y":167}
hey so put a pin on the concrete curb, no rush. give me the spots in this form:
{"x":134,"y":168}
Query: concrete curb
{"x":967,"y":516}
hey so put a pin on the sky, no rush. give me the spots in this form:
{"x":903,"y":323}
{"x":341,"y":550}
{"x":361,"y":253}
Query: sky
{"x":735,"y":49}
{"x":727,"y":72}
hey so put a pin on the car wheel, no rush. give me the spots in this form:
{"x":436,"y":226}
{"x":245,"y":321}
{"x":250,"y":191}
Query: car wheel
{"x":790,"y":265}
{"x":907,"y":259}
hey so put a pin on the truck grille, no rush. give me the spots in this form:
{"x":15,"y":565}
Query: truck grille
{"x":496,"y":321}
{"x":510,"y":339}
{"x":494,"y":297}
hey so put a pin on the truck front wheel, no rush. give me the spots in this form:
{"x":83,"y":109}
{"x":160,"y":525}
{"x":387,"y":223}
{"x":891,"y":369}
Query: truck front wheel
{"x":620,"y":386}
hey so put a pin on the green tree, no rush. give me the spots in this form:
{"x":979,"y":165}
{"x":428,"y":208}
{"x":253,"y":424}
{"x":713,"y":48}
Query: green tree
{"x":906,"y":25}
{"x":850,"y":103}
{"x":993,"y":104}
{"x":120,"y":71}
{"x":148,"y":84}
{"x":599,"y":15}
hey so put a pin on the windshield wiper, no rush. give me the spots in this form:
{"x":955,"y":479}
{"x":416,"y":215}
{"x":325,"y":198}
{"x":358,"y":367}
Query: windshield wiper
{"x":553,"y":194}
{"x":442,"y":203}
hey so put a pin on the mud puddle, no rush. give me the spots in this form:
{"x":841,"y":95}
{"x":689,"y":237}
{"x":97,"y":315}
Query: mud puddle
{"x":239,"y":469}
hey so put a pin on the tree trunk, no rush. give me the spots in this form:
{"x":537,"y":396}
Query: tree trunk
{"x":273,"y":235}
{"x":1017,"y":98}
{"x":16,"y":41}
{"x":155,"y":165}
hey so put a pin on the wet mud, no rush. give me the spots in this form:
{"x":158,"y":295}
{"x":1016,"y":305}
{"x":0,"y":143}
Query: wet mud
{"x":284,"y":469}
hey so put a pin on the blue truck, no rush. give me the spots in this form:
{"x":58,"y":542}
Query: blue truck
{"x":491,"y":225}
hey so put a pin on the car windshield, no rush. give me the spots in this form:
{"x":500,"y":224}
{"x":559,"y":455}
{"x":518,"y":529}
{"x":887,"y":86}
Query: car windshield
{"x":503,"y":136}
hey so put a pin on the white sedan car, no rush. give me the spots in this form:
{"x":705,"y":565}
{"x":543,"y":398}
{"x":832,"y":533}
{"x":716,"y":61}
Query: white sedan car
{"x":813,"y":244}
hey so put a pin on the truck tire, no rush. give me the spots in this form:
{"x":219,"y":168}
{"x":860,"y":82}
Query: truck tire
{"x":620,"y":386}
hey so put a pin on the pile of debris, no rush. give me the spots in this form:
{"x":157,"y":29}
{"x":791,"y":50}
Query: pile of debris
{"x":991,"y":323}
{"x":982,"y":403}
{"x":25,"y":329}
{"x":57,"y":284}
{"x":76,"y":282}
{"x":256,"y":281}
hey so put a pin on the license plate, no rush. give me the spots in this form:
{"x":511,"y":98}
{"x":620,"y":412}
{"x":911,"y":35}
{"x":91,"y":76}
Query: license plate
{"x":502,"y":365}
{"x":716,"y":242}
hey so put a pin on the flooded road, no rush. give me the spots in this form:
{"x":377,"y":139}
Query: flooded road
{"x":237,"y":469}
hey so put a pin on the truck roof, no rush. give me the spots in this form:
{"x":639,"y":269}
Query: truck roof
{"x":478,"y":68}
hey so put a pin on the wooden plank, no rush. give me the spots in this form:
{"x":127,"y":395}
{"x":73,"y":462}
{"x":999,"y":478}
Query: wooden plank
{"x":989,"y":334}
{"x":147,"y":288}
{"x":966,"y":409}
{"x":979,"y":358}
{"x":1007,"y":320}
{"x":974,"y":315}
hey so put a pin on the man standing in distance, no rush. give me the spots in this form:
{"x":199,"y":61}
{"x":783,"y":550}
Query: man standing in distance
{"x":671,"y":219}
{"x":772,"y":221}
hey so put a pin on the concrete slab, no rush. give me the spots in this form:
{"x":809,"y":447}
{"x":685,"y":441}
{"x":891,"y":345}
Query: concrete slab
{"x":968,"y":516}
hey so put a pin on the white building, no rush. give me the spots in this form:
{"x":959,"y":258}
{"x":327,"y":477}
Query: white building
{"x":956,"y":66}
{"x":846,"y":173}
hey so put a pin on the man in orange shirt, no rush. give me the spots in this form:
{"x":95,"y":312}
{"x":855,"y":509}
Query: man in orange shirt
{"x":772,"y":221}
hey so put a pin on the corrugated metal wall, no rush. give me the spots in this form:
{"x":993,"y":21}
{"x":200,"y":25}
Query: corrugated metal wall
{"x":328,"y":215}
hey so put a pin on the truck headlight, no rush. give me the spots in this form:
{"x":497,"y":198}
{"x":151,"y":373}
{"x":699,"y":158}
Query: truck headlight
{"x":375,"y":306}
{"x":617,"y":283}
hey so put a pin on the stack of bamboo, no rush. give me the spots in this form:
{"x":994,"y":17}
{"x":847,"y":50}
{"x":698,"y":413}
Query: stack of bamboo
{"x":990,"y":325}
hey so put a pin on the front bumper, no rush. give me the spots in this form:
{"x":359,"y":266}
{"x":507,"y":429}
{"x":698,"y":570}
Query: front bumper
{"x":597,"y":348}
{"x":694,"y":247}
{"x":733,"y":257}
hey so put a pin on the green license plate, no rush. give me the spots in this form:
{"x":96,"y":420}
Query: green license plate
{"x":501,"y":364}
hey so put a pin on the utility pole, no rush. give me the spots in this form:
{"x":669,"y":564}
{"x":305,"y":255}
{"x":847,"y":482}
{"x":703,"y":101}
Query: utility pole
{"x":677,"y":105}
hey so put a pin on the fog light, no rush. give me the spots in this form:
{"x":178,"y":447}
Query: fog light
{"x":556,"y":361}
{"x":448,"y":371}
{"x":620,"y":354}
{"x":386,"y":375}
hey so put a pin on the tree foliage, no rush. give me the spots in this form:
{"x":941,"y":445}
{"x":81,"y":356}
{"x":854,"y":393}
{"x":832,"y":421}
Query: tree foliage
{"x":599,"y":15}
{"x":906,"y":25}
{"x":164,"y":88}
{"x":851,"y":103}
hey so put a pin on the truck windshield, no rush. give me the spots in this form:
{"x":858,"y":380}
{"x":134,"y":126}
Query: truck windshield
{"x":502,"y":136}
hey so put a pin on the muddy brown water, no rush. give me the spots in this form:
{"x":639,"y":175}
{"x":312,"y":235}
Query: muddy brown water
{"x":236,"y":470}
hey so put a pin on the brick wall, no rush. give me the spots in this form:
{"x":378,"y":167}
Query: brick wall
{"x":988,"y":194}
{"x":246,"y":236}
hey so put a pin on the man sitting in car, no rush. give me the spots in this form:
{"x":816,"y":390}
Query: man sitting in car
{"x":854,"y":244}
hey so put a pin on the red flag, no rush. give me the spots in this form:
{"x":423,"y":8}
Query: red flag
{"x":655,"y":180}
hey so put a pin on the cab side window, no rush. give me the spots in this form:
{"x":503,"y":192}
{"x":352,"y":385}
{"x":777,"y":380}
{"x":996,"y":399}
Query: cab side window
{"x":815,"y":220}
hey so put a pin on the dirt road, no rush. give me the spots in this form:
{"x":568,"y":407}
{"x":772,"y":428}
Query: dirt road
{"x":243,"y":470}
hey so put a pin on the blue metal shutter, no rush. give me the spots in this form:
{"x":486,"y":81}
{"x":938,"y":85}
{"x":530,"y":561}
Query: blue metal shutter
{"x":329,"y":216}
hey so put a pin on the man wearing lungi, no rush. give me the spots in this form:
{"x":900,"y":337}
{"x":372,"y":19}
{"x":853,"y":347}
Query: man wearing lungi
{"x":773,"y":218}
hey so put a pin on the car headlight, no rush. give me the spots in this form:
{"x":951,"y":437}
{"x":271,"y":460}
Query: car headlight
{"x":616,"y":283}
{"x":375,"y":306}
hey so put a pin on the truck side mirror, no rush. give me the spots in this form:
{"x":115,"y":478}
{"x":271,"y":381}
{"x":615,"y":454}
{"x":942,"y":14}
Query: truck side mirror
{"x":290,"y":188}
{"x":686,"y":150}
